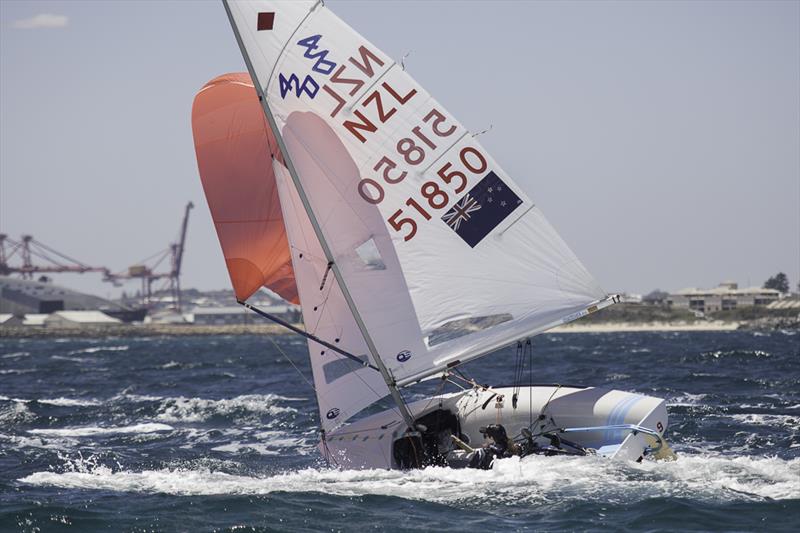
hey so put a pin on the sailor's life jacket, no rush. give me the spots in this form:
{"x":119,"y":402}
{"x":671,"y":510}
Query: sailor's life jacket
{"x":501,"y":447}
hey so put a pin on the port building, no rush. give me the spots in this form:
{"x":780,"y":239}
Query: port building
{"x":240,"y":315}
{"x":20,"y":297}
{"x":76,"y":319}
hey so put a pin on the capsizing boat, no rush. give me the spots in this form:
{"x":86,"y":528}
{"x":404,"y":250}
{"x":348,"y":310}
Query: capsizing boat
{"x":335,"y":180}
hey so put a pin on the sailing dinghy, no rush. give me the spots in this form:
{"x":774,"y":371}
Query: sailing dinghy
{"x":335,"y":180}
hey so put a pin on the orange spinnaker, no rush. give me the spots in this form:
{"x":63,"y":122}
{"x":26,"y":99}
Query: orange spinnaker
{"x":234,"y":147}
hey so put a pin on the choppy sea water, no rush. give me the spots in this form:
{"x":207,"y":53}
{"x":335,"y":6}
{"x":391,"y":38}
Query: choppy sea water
{"x":207,"y":433}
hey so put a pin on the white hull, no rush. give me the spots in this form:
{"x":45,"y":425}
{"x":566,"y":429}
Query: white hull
{"x":369,"y":442}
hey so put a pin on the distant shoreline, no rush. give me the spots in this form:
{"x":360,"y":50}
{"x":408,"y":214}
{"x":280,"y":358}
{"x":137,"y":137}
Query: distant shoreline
{"x":141,"y":330}
{"x":178,"y":330}
{"x":618,"y":327}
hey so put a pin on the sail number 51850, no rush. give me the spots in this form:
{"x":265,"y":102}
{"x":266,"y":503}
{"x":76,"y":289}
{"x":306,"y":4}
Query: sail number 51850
{"x":436,"y":197}
{"x":413,"y":150}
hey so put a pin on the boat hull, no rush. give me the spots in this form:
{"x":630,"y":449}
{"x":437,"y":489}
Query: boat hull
{"x":616,"y":424}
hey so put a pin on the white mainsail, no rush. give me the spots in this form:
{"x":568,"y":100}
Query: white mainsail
{"x":427,"y":233}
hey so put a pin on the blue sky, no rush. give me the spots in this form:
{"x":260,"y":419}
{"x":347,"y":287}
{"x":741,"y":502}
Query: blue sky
{"x":660,"y":138}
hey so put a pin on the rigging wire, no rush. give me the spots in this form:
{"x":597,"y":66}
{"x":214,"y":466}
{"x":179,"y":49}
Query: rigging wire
{"x":547,"y":403}
{"x":487,"y":130}
{"x":530,"y":384}
{"x":435,"y":395}
{"x":518,"y":368}
{"x":403,"y":59}
{"x":328,"y":455}
{"x":458,"y":374}
{"x":542,"y":415}
{"x":328,"y":287}
{"x":323,"y":309}
{"x":275,"y":344}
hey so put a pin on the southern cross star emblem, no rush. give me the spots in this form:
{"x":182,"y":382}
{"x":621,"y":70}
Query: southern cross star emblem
{"x":461,"y":212}
{"x":482,"y":209}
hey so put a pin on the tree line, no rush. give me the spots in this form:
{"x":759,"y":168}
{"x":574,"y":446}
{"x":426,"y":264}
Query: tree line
{"x":779,"y":282}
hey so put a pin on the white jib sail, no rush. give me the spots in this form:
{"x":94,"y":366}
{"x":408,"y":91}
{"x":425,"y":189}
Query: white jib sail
{"x":445,"y":257}
{"x":343,"y":387}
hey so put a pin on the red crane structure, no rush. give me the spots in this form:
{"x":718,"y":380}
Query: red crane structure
{"x":147,"y":272}
{"x":55,"y":262}
{"x":27,"y":248}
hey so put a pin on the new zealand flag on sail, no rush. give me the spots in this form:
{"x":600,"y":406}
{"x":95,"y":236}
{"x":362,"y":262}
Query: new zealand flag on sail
{"x":479,"y":211}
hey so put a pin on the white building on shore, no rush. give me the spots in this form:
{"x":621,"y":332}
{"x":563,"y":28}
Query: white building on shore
{"x":72,"y":319}
{"x":726,"y":296}
{"x":213,"y":316}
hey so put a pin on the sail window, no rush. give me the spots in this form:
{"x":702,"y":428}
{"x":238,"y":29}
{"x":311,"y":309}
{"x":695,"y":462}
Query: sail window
{"x":464,"y":326}
{"x":370,"y":256}
{"x":340,"y":367}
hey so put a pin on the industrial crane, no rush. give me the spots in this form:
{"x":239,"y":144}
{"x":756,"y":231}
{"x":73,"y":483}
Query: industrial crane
{"x":147,"y":273}
{"x":27,"y":248}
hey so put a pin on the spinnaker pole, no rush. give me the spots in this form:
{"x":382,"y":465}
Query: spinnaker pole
{"x":306,"y":334}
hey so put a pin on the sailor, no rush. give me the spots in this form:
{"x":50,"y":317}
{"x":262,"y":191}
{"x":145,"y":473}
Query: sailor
{"x":499,"y":446}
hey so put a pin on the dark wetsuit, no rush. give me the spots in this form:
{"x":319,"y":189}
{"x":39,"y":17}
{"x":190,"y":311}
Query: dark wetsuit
{"x":483,"y":457}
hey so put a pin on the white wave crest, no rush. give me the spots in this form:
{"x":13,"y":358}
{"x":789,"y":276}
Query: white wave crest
{"x":68,"y":358}
{"x":182,"y":409}
{"x":16,"y":412}
{"x":96,"y":349}
{"x":137,"y":397}
{"x":788,"y":421}
{"x":22,"y":441}
{"x":14,"y":355}
{"x":533,"y":480}
{"x":69,"y":402}
{"x":87,"y":431}
{"x":238,"y":448}
{"x":686,"y":400}
{"x":268,"y":443}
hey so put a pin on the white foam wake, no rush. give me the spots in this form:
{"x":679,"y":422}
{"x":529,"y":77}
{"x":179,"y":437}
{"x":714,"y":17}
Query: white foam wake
{"x":182,"y":409}
{"x":87,"y":431}
{"x":529,"y":481}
